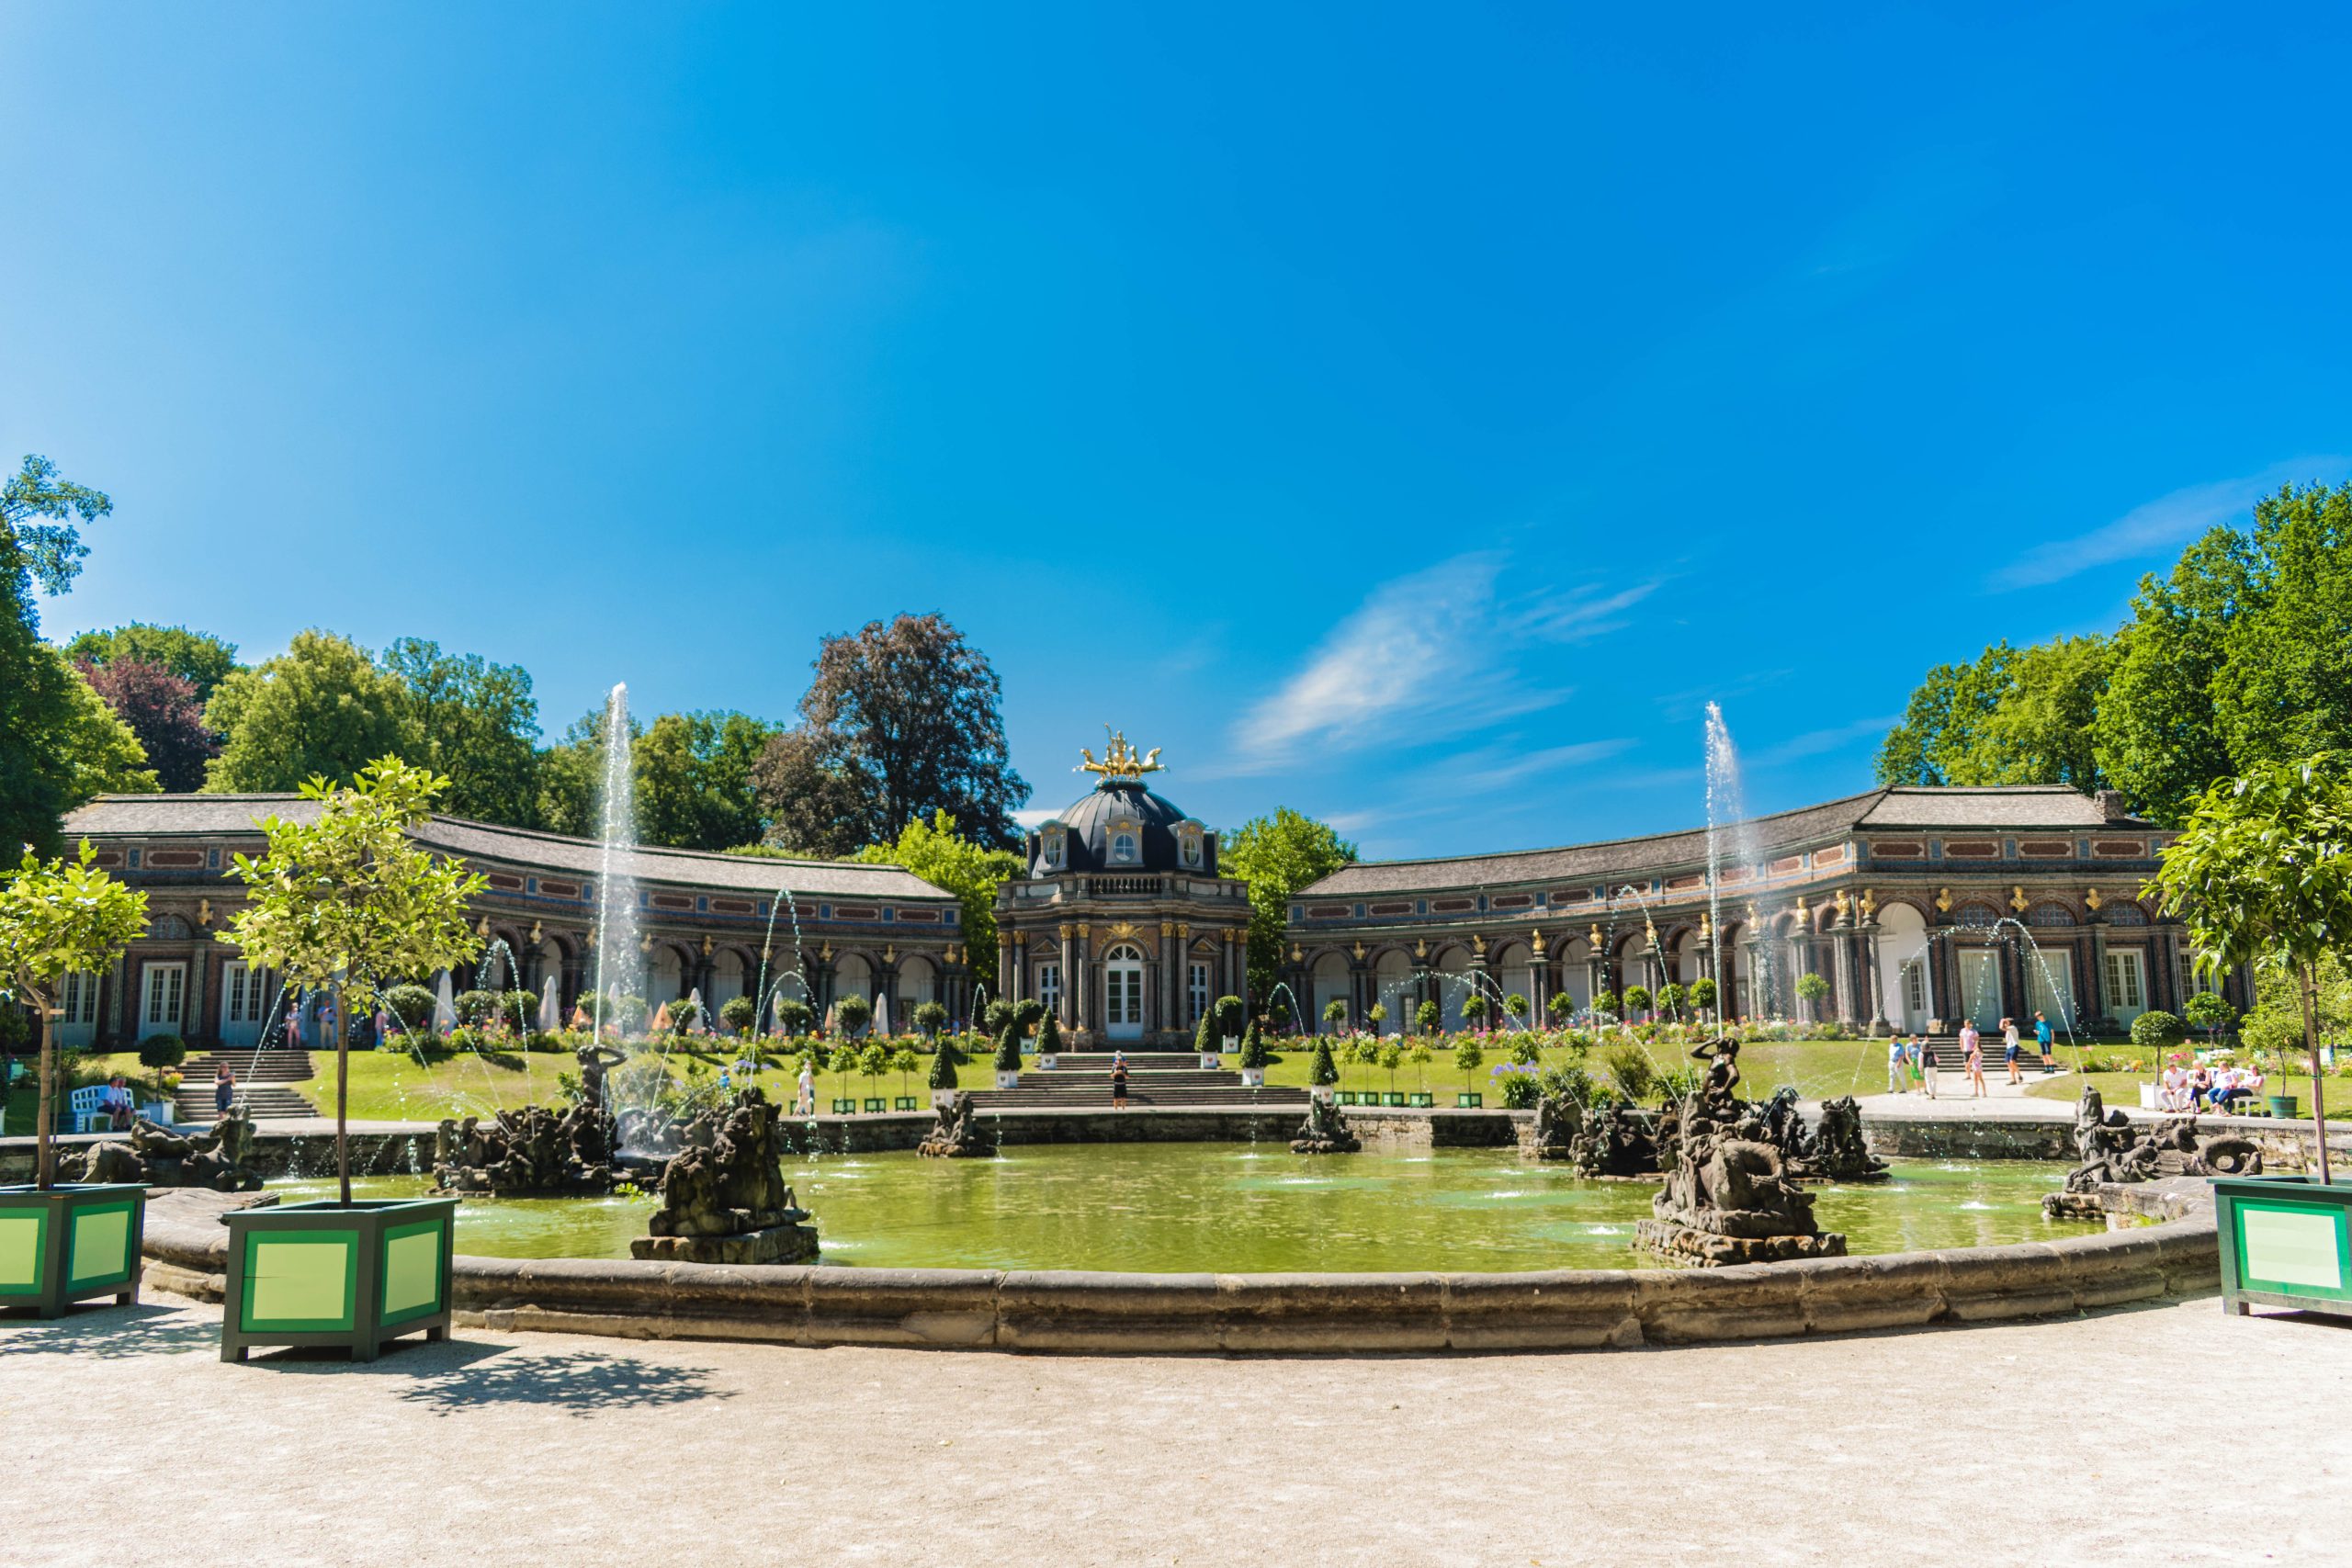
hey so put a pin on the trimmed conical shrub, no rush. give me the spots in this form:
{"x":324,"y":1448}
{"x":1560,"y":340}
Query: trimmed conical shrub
{"x":1326,"y":1072}
{"x":1254,"y":1055}
{"x":1203,"y":1040}
{"x":1049,"y":1037}
{"x":1007,"y":1050}
{"x":942,"y":1066}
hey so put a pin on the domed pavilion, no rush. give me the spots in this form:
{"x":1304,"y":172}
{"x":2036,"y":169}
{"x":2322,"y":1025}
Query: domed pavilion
{"x":1120,"y":923}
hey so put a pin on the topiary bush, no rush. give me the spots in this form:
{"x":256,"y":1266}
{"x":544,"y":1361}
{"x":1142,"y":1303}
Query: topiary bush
{"x":942,"y":1065}
{"x":1521,"y":1091}
{"x":794,"y":1016}
{"x":737,"y":1014}
{"x":853,"y":1014}
{"x":2155,"y":1031}
{"x":1007,"y":1050}
{"x":1231,"y":1016}
{"x":1468,"y":1057}
{"x":158,"y":1052}
{"x":1637,"y":999}
{"x":1560,"y":1008}
{"x":1325,"y":1072}
{"x":1335,"y":1012}
{"x":1205,"y":1036}
{"x":1702,"y":992}
{"x":1027,"y":1012}
{"x":995,"y":1016}
{"x":1254,"y":1055}
{"x":930,"y":1018}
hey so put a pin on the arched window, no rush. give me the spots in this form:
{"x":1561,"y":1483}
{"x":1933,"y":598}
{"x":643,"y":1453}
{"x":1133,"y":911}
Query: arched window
{"x":1122,"y":992}
{"x":1122,"y":848}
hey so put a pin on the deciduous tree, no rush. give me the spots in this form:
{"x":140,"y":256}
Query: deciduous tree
{"x":162,"y":710}
{"x":935,"y":852}
{"x":474,"y":723}
{"x":198,"y":657}
{"x":40,"y":712}
{"x":322,"y":709}
{"x":1278,"y":855}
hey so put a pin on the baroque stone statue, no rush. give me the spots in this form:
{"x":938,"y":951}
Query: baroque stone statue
{"x":724,"y":1199}
{"x":158,"y":1157}
{"x":1729,"y":1198}
{"x":531,"y":1151}
{"x":956,"y":1135}
{"x":2111,"y":1148}
{"x":1613,"y":1141}
{"x":1557,"y":1123}
{"x":1324,"y":1132}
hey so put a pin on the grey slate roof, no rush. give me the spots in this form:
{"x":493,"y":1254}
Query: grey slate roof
{"x":1990,"y":809}
{"x":168,"y":816}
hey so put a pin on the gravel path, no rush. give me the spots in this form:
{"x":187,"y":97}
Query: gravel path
{"x":2172,"y":1434}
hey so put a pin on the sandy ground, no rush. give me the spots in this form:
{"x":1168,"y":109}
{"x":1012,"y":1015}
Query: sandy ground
{"x":2172,"y":1434}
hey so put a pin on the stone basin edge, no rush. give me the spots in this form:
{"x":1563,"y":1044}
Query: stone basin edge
{"x":2168,"y":1247}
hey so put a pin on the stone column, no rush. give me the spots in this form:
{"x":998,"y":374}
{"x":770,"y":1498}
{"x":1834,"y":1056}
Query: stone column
{"x":1171,"y":1016}
{"x":1010,"y":979}
{"x":1841,"y":958}
{"x":1069,"y":1003}
{"x":1880,"y":1023}
{"x":1077,"y":986}
{"x":199,"y":959}
{"x":2094,"y":1016}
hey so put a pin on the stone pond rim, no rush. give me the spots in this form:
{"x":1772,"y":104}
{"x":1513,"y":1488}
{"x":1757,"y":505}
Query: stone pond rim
{"x":1288,"y":1314}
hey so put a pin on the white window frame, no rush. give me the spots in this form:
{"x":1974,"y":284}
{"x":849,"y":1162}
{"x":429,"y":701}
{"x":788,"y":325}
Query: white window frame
{"x":1123,"y":1003}
{"x":162,"y":988}
{"x":1126,"y":843}
{"x":1196,"y":991}
{"x":1049,"y":984}
{"x":2123,"y":961}
{"x":1915,"y":991}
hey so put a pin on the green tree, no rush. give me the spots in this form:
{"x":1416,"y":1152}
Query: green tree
{"x":60,"y":918}
{"x":321,"y":709}
{"x":1050,"y":1033}
{"x":1007,"y":1050}
{"x":2156,"y":731}
{"x":935,"y":852}
{"x":93,"y":751}
{"x":930,"y":1018}
{"x":1468,"y":1057}
{"x":2262,"y":874}
{"x":347,"y":903}
{"x":1944,"y":719}
{"x":160,"y":709}
{"x":200,"y":658}
{"x":942,"y":1066}
{"x":902,"y":720}
{"x":1426,"y":1017}
{"x":738,"y":1014}
{"x":1559,"y":1007}
{"x":1254,"y":1055}
{"x":2284,"y":691}
{"x":2016,"y":716}
{"x":476,"y":725}
{"x":694,"y":780}
{"x":41,"y":713}
{"x":1813,"y":989}
{"x":1278,"y":855}
{"x":1335,"y":1013}
{"x":853,"y":1013}
{"x":1323,"y":1072}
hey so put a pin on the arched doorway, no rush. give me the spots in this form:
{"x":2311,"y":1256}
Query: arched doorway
{"x":1123,"y":993}
{"x":1903,"y":968}
{"x":1395,"y":992}
{"x":1330,"y":985}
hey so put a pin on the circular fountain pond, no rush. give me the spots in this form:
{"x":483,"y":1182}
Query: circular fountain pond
{"x":1171,"y":1208}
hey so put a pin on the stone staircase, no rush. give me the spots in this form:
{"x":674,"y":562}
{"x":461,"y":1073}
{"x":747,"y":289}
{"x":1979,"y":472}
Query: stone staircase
{"x":261,"y":1078}
{"x":1082,"y":1080}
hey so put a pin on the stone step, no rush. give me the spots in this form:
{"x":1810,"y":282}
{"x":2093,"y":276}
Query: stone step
{"x":252,"y":1066}
{"x":195,"y":1105}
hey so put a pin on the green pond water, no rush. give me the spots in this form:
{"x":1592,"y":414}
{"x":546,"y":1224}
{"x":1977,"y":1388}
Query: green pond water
{"x":1173,"y":1208}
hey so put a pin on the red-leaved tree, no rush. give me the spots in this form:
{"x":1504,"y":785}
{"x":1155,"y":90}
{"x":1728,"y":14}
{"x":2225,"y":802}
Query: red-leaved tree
{"x":160,"y":709}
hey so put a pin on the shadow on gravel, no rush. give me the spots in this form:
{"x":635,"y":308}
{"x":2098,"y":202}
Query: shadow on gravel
{"x":582,"y":1383}
{"x":109,"y":1333}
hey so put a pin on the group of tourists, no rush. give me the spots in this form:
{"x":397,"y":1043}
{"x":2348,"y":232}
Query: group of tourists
{"x":2190,"y":1088}
{"x":1911,"y":1062}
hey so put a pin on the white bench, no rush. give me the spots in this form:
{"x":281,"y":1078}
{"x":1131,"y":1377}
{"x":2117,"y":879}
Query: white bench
{"x":88,"y":1108}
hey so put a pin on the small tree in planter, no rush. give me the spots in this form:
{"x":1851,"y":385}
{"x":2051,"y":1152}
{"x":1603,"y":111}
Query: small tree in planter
{"x":1474,"y":1010}
{"x":685,"y":1014}
{"x":1008,"y":1057}
{"x":335,"y":903}
{"x":942,"y":1070}
{"x":1425,"y":1018}
{"x":2211,"y":1011}
{"x":853,"y":1013}
{"x":873,"y":1061}
{"x":995,"y":1017}
{"x":1468,"y":1057}
{"x":1027,"y":1013}
{"x":1204,"y":1041}
{"x":1049,"y":1041}
{"x":930,"y":1018}
{"x":1392,"y":1056}
{"x":158,"y":1052}
{"x":1377,"y":1015}
{"x":737,"y":1014}
{"x":1560,"y":1008}
{"x":1702,"y":994}
{"x":1420,"y":1055}
{"x":1670,"y":999}
{"x":1638,"y":1001}
{"x":1813,"y":990}
{"x":902,"y":1062}
{"x":1254,"y":1056}
{"x":793,"y":1016}
{"x":1605,"y":1005}
{"x":59,"y":918}
{"x":1335,"y":1013}
{"x":1515,"y":1007}
{"x":1323,"y":1072}
{"x":1232,"y":1016}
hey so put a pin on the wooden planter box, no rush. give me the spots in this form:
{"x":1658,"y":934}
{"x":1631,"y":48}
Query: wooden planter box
{"x":1389,"y":1097}
{"x":2286,"y":1242}
{"x":844,"y":1107}
{"x":1425,"y":1101}
{"x":1476,"y":1101}
{"x":903,"y":1102}
{"x":72,"y":1242}
{"x":353,"y":1275}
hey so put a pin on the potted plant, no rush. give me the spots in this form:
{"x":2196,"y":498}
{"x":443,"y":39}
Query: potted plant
{"x":930,"y":1018}
{"x":1335,"y":1013}
{"x":2259,"y":876}
{"x":1474,"y":1010}
{"x":1254,"y":1057}
{"x":1516,"y":1006}
{"x":1425,"y":1018}
{"x":1049,"y":1040}
{"x":902,"y":1062}
{"x":64,"y":1244}
{"x":1702,"y":994}
{"x":157,"y":1053}
{"x":873,"y":1061}
{"x":1204,"y":1043}
{"x":336,"y":903}
{"x":943,"y":1073}
{"x":853,"y":1013}
{"x":1813,"y":990}
{"x":737,"y":1014}
{"x":1420,"y":1055}
{"x":794,"y":1017}
{"x":1638,"y":1001}
{"x":1468,"y":1057}
{"x":1230,"y":1018}
{"x":1392,"y":1056}
{"x":1007,"y":1056}
{"x":1560,"y":1008}
{"x":1323,"y":1072}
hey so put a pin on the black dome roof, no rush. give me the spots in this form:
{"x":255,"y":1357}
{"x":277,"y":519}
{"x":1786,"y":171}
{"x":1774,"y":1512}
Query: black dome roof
{"x":1094,"y":818}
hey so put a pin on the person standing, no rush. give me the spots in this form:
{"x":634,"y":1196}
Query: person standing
{"x":1898,"y":1058}
{"x":1926,"y":1050}
{"x":224,"y":1090}
{"x":807,"y":1105}
{"x":2042,"y":1041}
{"x":1973,"y":1049}
{"x":1119,"y":1082}
{"x":2009,"y":1047}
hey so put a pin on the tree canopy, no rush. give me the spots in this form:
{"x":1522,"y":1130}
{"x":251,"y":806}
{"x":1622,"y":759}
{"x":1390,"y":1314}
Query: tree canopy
{"x":322,"y":709}
{"x":162,"y":710}
{"x":474,"y":723}
{"x":45,"y":727}
{"x":2239,"y":658}
{"x":902,"y":720}
{"x":942,"y":857}
{"x":1279,"y":854}
{"x":200,"y":658}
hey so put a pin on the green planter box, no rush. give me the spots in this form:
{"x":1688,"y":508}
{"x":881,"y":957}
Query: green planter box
{"x":1347,"y":1097}
{"x":873,"y":1105}
{"x":903,"y":1102}
{"x":844,"y":1107}
{"x":1388,"y":1097}
{"x":72,"y":1242}
{"x":2286,"y":1242}
{"x":2281,"y":1106}
{"x":353,"y":1275}
{"x":1426,"y":1101}
{"x":1469,"y":1102}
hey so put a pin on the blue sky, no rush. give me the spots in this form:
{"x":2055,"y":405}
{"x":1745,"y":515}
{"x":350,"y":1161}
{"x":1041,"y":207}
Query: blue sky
{"x":1409,"y":415}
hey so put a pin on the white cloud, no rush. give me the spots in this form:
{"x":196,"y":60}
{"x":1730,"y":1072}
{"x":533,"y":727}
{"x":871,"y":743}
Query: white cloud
{"x":1813,"y":743}
{"x":1034,"y":815}
{"x":1435,"y":650}
{"x":2159,"y":525}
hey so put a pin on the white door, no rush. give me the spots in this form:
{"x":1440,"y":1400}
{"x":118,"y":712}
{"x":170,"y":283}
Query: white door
{"x":77,"y":999}
{"x":2127,"y":983}
{"x":1980,"y":988}
{"x":1123,"y":995}
{"x":243,"y":990}
{"x":165,"y":988}
{"x":2053,"y":991}
{"x":1911,"y":996}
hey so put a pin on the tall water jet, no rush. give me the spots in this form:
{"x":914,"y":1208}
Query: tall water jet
{"x":1729,"y":831}
{"x":617,"y":951}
